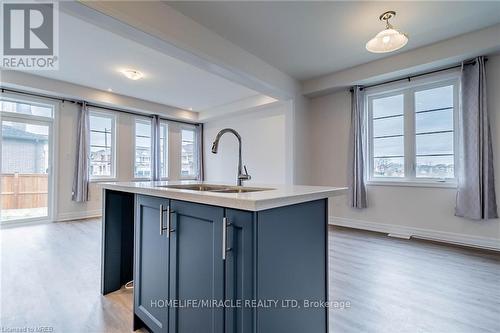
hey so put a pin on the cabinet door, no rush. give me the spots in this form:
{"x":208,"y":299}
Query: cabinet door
{"x":240,"y":263}
{"x":151,"y":262}
{"x":292,"y":265}
{"x":196,"y":267}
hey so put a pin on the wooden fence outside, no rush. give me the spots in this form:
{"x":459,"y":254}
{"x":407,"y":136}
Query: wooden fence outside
{"x":24,"y":190}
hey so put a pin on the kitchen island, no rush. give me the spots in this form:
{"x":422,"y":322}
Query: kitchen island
{"x":216,"y":258}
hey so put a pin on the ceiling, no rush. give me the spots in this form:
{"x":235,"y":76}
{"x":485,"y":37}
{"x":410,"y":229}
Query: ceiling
{"x":91,"y":56}
{"x":310,"y":39}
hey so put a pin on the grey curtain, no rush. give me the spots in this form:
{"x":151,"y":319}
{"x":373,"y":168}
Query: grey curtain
{"x":199,"y":149}
{"x":356,"y":181}
{"x":155,"y":154}
{"x":476,"y":198}
{"x":80,"y":191}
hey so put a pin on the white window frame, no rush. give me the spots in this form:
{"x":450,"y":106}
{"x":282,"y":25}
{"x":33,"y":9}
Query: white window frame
{"x":143,"y":120}
{"x":114,"y":134}
{"x":173,"y":148}
{"x":167,"y":124}
{"x":53,"y":123}
{"x":195,"y":151}
{"x":408,"y":89}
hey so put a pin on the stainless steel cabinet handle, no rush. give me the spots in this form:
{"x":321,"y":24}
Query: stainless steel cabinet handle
{"x":225,"y":224}
{"x":168,"y":221}
{"x":161,"y":220}
{"x":224,"y":234}
{"x":162,"y":229}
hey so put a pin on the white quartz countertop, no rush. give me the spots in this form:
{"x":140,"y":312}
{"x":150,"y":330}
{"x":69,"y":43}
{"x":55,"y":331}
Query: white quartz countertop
{"x":275,"y":196}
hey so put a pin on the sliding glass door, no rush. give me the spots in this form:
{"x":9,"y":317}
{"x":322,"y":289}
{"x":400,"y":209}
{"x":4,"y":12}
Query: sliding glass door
{"x":26,"y":150}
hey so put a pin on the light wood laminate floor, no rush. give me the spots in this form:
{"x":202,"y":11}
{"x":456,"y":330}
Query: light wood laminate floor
{"x":50,"y":276}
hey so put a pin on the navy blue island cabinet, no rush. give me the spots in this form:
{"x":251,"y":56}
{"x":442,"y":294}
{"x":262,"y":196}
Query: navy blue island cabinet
{"x":209,"y":269}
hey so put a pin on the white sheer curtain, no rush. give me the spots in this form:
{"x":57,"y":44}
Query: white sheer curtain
{"x":476,"y":197}
{"x":356,"y":167}
{"x":80,"y":191}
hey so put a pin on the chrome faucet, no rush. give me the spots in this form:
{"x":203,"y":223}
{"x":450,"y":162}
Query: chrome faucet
{"x":215,"y":146}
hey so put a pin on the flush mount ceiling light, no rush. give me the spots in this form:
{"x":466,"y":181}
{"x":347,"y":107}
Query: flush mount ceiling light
{"x":389,"y":39}
{"x":132,"y":74}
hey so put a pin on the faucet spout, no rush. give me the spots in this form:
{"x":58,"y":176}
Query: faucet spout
{"x":215,"y":147}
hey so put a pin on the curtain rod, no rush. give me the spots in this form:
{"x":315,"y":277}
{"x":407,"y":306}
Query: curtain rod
{"x":100,"y":106}
{"x":408,"y":78}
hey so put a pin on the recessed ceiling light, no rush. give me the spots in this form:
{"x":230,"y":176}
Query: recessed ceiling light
{"x":110,"y":90}
{"x":389,"y":39}
{"x":132,"y":74}
{"x":190,"y":109}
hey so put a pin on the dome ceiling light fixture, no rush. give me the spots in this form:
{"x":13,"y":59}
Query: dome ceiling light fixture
{"x":389,"y":39}
{"x":132,"y":74}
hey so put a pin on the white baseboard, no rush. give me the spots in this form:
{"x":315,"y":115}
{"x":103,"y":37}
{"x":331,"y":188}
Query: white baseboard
{"x":435,"y":235}
{"x":79,"y":215}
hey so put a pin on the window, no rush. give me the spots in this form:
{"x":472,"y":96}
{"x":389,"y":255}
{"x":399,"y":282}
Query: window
{"x":412,"y":132}
{"x":102,"y":143}
{"x":143,"y":147}
{"x":27,"y":161}
{"x":163,"y":150}
{"x":27,"y":108}
{"x":188,"y":152}
{"x":388,"y":136}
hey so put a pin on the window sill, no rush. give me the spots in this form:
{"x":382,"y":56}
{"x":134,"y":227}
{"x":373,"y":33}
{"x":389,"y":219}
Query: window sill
{"x":192,"y":177}
{"x":407,"y":183}
{"x":102,"y":180}
{"x":148,"y":179}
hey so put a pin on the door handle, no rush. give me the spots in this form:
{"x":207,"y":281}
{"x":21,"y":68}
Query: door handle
{"x":162,"y":228}
{"x":169,"y":230}
{"x":225,"y":224}
{"x":161,"y":220}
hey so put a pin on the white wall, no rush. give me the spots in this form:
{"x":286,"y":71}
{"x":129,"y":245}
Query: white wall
{"x":301,"y":156}
{"x":441,"y":54}
{"x":67,"y":209}
{"x":264,"y":146}
{"x":125,"y":143}
{"x":414,"y":210}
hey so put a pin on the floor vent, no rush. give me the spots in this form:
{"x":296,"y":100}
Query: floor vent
{"x":401,"y":236}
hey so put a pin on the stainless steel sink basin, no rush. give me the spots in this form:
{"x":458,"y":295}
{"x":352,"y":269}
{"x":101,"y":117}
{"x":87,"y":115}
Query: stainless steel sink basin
{"x":240,"y":190}
{"x":215,"y":188}
{"x":195,"y":187}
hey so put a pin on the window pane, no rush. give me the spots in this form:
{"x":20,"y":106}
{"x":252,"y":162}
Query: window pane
{"x":142,"y":167}
{"x":437,"y":143}
{"x":388,"y":126}
{"x":100,"y":139}
{"x":101,"y":149}
{"x":388,"y":167}
{"x":100,"y":161}
{"x":100,"y":123}
{"x":434,"y":121}
{"x":388,"y":106}
{"x":384,"y":147}
{"x":164,"y":150}
{"x":26,"y":108}
{"x":432,"y":99}
{"x":188,"y":163}
{"x":24,"y":178}
{"x":143,"y":128}
{"x":435,"y":167}
{"x":25,"y":148}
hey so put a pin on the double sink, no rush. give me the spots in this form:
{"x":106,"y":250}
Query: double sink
{"x":215,"y":188}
